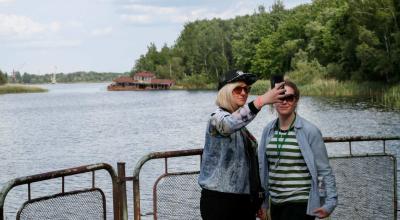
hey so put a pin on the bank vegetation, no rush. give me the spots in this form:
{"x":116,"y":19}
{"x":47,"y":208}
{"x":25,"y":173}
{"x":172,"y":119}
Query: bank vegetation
{"x":329,"y":47}
{"x":18,"y":88}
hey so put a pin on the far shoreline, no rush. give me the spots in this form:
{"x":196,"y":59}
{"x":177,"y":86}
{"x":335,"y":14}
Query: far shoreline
{"x":388,"y":96}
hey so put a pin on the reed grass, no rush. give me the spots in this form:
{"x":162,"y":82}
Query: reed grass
{"x":391,"y":98}
{"x":388,"y":96}
{"x":195,"y":82}
{"x":16,"y":88}
{"x":260,"y":87}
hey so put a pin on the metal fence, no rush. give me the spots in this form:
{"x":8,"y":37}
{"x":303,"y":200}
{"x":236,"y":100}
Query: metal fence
{"x":81,"y":204}
{"x":176,"y":196}
{"x":87,"y":203}
{"x":366,"y":184}
{"x":366,"y":187}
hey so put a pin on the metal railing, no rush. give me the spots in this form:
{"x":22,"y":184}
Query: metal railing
{"x":169,"y":154}
{"x":119,"y":180}
{"x":351,"y":139}
{"x":152,"y":156}
{"x":28,"y":180}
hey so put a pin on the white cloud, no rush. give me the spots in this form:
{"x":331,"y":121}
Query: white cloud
{"x":146,"y":14}
{"x":137,"y":19}
{"x":46,"y":44}
{"x":23,"y":32}
{"x":54,"y":26}
{"x":19,"y":25}
{"x":16,"y":26}
{"x":150,"y":9}
{"x":102,"y":31}
{"x":74,"y":24}
{"x":141,"y":12}
{"x":6,"y":1}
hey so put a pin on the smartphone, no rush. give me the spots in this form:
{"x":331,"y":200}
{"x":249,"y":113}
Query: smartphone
{"x":276,"y":79}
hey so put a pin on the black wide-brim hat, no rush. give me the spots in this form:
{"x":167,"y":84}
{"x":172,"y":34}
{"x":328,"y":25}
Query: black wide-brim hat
{"x":236,"y":76}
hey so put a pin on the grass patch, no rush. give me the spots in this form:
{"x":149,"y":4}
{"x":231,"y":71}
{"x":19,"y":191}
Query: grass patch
{"x":260,"y":87}
{"x":377,"y":92}
{"x":388,"y":96}
{"x":207,"y":86}
{"x":195,"y":82}
{"x":335,"y":88}
{"x":16,"y":88}
{"x":391,"y":97}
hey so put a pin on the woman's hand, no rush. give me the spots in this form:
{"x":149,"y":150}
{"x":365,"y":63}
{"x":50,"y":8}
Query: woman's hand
{"x":321,"y":213}
{"x":271,"y":96}
{"x":262,"y":214}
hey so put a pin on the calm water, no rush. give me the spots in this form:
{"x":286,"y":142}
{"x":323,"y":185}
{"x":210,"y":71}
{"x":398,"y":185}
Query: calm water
{"x":78,"y":124}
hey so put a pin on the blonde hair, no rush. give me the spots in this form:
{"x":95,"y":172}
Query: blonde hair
{"x":225,"y":97}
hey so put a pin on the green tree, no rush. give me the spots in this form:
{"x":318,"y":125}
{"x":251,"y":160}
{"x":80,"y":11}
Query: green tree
{"x":26,"y":78}
{"x":357,"y":39}
{"x":206,"y":47}
{"x":3,"y":78}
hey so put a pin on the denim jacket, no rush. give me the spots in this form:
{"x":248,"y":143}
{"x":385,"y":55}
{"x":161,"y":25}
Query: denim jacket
{"x":224,"y":166}
{"x":313,"y":149}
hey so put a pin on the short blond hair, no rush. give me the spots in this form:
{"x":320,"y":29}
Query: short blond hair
{"x":225,"y":97}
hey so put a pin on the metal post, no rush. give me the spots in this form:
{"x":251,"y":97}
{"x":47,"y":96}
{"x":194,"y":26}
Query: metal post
{"x":123,"y":208}
{"x":384,"y":146}
{"x":62,"y":184}
{"x":93,"y":179}
{"x":29,"y":191}
{"x":351,"y":154}
{"x":136,"y":198}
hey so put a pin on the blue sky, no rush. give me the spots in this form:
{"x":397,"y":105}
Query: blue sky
{"x":44,"y":36}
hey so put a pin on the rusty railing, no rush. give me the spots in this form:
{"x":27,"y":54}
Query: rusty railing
{"x":119,"y":180}
{"x":169,"y":154}
{"x":62,"y":174}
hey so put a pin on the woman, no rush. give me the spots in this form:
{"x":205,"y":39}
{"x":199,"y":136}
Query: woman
{"x":229,"y":169}
{"x":295,"y":170}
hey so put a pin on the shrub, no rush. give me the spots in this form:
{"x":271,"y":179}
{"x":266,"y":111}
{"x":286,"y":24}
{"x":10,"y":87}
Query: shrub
{"x":197,"y":81}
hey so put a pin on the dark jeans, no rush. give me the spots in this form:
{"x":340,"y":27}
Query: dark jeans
{"x":225,"y":206}
{"x":290,"y":211}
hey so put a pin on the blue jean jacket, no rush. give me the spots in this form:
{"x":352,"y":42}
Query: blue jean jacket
{"x":313,"y":149}
{"x":224,"y":166}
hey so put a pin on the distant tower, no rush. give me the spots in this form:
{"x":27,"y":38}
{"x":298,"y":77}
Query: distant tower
{"x":53,"y":77}
{"x":13,"y":76}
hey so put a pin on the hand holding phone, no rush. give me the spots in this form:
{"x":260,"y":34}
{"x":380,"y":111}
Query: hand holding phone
{"x":271,"y":96}
{"x":276,"y":79}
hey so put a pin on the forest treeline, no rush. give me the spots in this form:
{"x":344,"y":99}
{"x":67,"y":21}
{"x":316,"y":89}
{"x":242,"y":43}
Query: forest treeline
{"x":81,"y":76}
{"x":357,"y":40}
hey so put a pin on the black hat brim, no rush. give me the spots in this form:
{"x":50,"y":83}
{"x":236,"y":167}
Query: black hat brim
{"x":247,"y":78}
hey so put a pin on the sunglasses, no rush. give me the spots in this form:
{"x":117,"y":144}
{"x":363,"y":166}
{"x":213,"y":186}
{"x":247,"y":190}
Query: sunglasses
{"x":240,"y":89}
{"x":289,"y":98}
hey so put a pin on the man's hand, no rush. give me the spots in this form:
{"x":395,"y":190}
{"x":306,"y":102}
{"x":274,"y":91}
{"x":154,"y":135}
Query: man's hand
{"x":321,"y":213}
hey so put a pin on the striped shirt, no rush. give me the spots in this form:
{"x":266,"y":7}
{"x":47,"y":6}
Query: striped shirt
{"x":289,"y":178}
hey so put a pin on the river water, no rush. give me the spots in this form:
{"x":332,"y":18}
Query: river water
{"x":78,"y":124}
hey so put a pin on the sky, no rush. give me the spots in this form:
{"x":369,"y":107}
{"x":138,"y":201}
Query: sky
{"x":46,"y":36}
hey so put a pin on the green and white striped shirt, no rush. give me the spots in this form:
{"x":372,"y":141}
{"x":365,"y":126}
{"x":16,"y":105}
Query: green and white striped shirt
{"x":289,"y":178}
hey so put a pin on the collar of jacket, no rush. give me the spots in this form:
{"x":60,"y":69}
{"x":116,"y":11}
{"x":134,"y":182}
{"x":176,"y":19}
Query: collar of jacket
{"x":298,"y":124}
